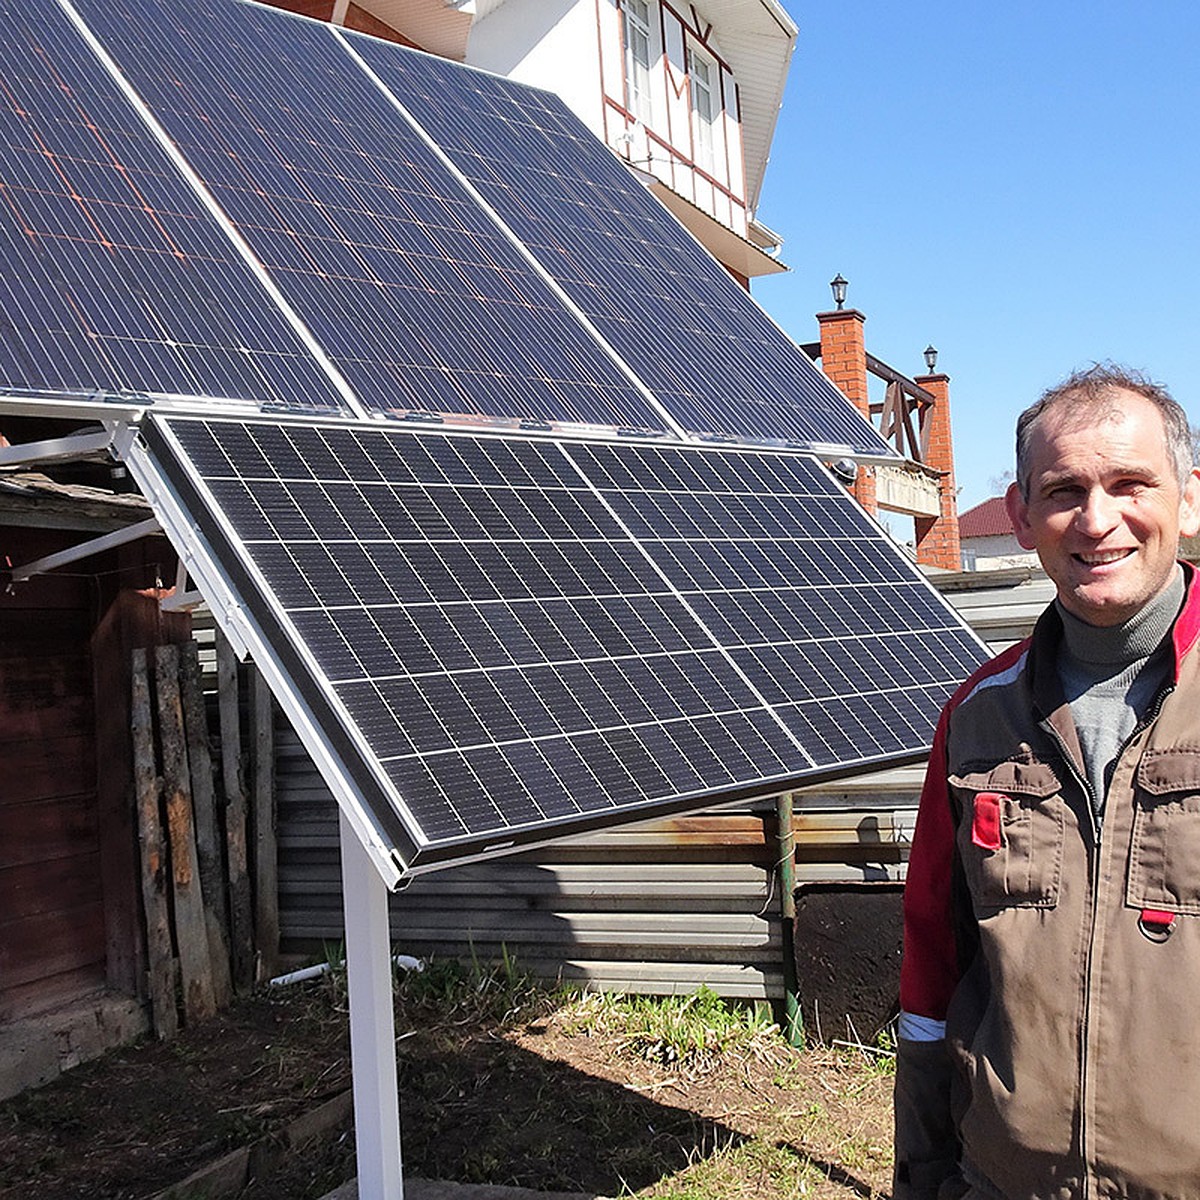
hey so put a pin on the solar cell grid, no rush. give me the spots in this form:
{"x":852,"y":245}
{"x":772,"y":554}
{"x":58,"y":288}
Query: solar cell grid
{"x":412,"y":291}
{"x":115,"y":277}
{"x":708,"y":352}
{"x":777,"y":594}
{"x":507,"y":657}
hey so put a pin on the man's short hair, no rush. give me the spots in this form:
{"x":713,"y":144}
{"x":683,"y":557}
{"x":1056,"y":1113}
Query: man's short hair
{"x":1092,"y":387}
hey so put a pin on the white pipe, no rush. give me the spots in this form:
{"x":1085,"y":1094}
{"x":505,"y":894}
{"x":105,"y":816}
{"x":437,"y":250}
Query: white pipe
{"x":406,"y":961}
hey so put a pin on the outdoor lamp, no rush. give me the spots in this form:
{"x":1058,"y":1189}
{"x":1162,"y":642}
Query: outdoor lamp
{"x":845,"y":470}
{"x":931,"y":358}
{"x":838,"y":284}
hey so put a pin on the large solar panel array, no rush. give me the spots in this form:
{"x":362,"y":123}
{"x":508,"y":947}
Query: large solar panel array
{"x":346,"y":224}
{"x":516,"y":636}
{"x":114,"y":275}
{"x":710,"y":354}
{"x":406,"y":283}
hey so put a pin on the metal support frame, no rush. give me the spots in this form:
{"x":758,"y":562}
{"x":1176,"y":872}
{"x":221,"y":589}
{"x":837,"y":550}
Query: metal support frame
{"x":183,"y":600}
{"x":372,"y":1021}
{"x":109,"y":541}
{"x":64,"y":449}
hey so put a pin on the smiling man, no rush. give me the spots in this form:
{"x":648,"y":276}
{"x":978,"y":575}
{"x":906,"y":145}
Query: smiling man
{"x":1050,"y":1032}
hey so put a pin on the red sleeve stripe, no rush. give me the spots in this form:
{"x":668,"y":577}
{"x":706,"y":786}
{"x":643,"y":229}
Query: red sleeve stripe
{"x":930,"y":969}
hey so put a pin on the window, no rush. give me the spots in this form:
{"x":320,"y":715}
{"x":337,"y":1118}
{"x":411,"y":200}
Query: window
{"x":706,"y":108}
{"x":638,"y":57}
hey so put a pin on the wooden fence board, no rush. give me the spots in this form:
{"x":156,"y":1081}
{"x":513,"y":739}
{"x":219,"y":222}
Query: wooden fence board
{"x":208,"y":840}
{"x":266,"y":872}
{"x":153,"y":845}
{"x":241,"y":913}
{"x":191,"y":930}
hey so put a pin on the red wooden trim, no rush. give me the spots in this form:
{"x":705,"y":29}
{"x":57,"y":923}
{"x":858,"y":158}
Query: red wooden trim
{"x":676,"y":154}
{"x":665,"y":59}
{"x":702,"y":35}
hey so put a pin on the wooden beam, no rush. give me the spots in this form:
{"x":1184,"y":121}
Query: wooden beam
{"x":161,"y":975}
{"x":241,"y":914}
{"x":191,"y":930}
{"x":266,"y":869}
{"x":208,"y":839}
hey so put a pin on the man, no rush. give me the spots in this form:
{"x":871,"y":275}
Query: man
{"x":1050,"y":1032}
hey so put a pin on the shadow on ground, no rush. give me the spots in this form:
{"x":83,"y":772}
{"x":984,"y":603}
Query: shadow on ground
{"x":475,"y":1108}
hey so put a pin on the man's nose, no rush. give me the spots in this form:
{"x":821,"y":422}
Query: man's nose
{"x":1098,"y":513}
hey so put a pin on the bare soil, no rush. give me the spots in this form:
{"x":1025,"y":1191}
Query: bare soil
{"x":530,"y":1098}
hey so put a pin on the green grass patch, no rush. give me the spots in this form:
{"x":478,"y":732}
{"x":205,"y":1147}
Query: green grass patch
{"x":688,"y":1032}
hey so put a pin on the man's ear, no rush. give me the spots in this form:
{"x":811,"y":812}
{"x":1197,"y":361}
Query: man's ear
{"x":1018,"y":514}
{"x":1189,"y":505}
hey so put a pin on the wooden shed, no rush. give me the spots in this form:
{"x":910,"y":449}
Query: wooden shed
{"x":70,"y":930}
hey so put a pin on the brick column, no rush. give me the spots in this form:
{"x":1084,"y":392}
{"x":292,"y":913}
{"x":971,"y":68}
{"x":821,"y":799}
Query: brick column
{"x":844,"y":361}
{"x":937,"y":537}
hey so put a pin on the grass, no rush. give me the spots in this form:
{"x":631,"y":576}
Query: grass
{"x":689,"y":1032}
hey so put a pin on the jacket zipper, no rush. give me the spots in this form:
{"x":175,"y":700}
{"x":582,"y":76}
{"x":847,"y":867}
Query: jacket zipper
{"x":1094,"y":871}
{"x":1094,"y":883}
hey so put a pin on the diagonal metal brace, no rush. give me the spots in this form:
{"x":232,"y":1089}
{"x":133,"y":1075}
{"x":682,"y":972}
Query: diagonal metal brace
{"x":63,"y":449}
{"x":120,"y":537}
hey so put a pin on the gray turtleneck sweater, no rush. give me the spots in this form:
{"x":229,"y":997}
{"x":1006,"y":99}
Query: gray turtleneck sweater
{"x":1111,"y":676}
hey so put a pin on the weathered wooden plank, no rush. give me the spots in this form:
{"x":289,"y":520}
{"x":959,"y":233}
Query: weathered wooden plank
{"x":241,"y":912}
{"x":46,"y":696}
{"x":45,"y":993}
{"x":266,"y":863}
{"x":208,"y":837}
{"x":46,"y":887}
{"x":47,"y":944}
{"x":147,"y":787}
{"x":191,"y":929}
{"x":42,"y":768}
{"x":132,"y":619}
{"x":47,"y":829}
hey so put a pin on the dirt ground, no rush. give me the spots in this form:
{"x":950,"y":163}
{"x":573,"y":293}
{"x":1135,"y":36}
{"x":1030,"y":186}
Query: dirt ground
{"x":533,"y":1098}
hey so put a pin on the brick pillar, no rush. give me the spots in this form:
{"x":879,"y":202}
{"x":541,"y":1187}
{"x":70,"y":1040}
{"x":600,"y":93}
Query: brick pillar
{"x":937,"y":537}
{"x":844,"y":361}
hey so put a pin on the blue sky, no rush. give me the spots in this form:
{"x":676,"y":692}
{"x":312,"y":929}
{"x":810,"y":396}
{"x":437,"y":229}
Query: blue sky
{"x":1016,"y":183}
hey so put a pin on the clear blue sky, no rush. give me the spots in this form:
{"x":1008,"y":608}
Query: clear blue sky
{"x":1017,"y":183}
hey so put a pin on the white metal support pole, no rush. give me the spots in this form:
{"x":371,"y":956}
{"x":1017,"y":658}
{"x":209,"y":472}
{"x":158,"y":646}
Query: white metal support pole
{"x":372,"y":1022}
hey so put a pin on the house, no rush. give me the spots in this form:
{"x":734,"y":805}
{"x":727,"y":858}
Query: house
{"x":987,"y":538}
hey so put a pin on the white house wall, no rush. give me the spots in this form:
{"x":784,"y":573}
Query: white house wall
{"x":551,"y":44}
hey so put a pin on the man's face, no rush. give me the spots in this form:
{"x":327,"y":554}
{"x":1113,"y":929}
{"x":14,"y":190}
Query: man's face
{"x":1105,"y":509}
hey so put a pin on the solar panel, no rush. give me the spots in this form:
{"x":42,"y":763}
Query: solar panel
{"x":710,"y":354}
{"x":115,"y":277}
{"x":409,"y":287}
{"x":512,"y":638}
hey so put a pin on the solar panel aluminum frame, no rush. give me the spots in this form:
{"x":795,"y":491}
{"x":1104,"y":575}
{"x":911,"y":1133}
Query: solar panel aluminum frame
{"x":384,"y":845}
{"x":242,"y":605}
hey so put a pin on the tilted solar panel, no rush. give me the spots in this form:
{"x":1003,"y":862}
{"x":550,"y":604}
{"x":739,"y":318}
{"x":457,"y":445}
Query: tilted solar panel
{"x":710,"y":354}
{"x":512,"y":638}
{"x":115,"y":278}
{"x":410,"y":288}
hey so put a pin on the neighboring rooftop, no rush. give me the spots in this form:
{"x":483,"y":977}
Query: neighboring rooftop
{"x":988,"y":519}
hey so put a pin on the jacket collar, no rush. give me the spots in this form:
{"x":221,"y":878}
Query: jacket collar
{"x":1050,"y":703}
{"x":1187,"y":624}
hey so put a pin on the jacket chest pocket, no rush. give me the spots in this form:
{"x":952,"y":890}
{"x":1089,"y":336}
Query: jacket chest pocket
{"x":1010,"y":835}
{"x":1164,"y":852}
